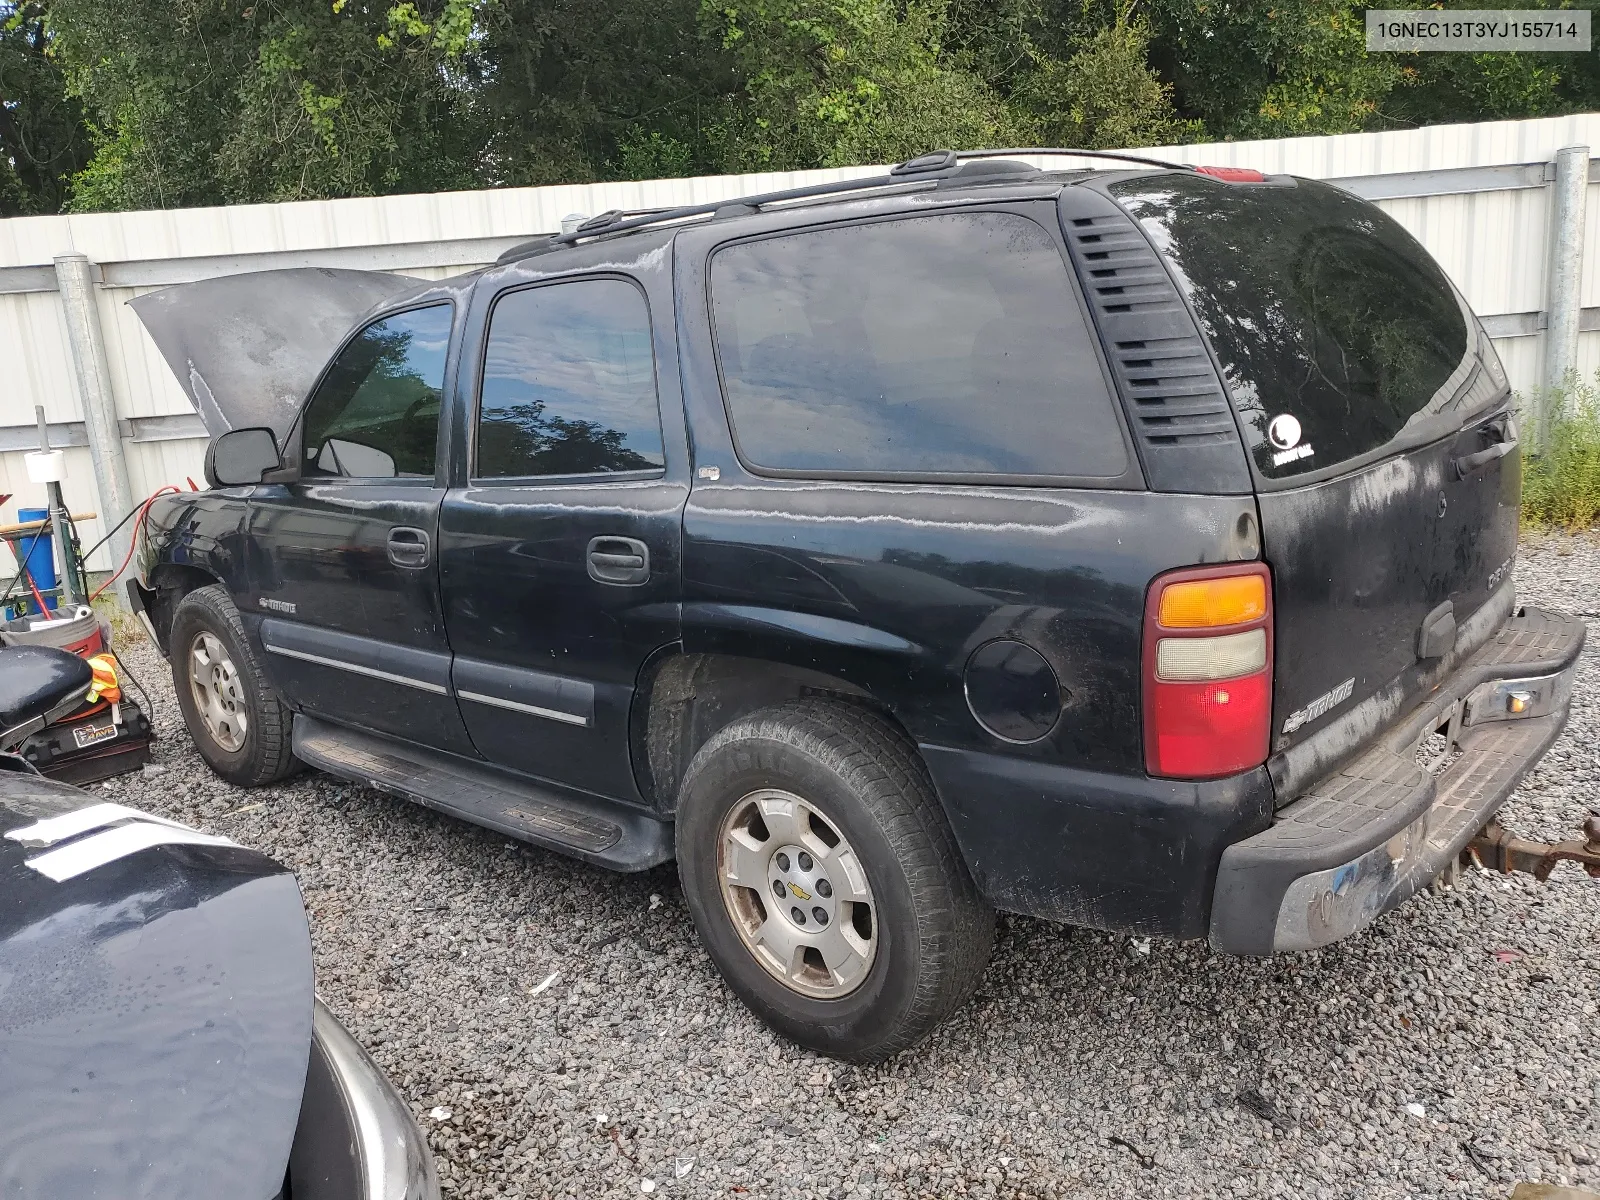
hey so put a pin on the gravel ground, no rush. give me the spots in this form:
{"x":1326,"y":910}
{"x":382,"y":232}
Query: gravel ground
{"x":558,"y":1031}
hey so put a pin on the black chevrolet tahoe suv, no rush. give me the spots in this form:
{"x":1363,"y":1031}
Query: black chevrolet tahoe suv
{"x":1130,"y":547}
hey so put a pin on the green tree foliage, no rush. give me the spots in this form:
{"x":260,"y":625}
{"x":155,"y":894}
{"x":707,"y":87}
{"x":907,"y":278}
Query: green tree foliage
{"x":577,"y":90}
{"x":1257,"y":70}
{"x":42,"y":138}
{"x":162,"y":103}
{"x":1290,"y":67}
{"x":1494,"y":87}
{"x":835,"y":82}
{"x":1104,"y":95}
{"x":159,"y":81}
{"x":201,"y":101}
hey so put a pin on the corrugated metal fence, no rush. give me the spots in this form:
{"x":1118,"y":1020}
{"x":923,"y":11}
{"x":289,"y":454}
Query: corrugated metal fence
{"x":1480,"y":197}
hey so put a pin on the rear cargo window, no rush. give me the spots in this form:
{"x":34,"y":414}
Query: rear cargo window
{"x":940,"y":345}
{"x":1337,"y":332}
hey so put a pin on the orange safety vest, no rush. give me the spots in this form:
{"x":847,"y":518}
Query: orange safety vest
{"x":105,"y":685}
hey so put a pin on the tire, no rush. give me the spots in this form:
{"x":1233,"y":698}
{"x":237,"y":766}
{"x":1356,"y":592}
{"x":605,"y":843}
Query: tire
{"x":788,"y":777}
{"x":246,"y":738}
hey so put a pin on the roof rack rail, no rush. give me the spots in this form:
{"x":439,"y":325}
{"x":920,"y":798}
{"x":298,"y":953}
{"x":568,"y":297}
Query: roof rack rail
{"x":616,"y":224}
{"x":1118,"y":155}
{"x":936,"y":164}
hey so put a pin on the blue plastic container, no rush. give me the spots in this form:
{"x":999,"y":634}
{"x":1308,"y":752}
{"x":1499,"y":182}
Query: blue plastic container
{"x":40,"y":554}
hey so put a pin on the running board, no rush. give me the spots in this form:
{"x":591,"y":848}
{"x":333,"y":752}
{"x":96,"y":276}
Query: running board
{"x":594,"y":830}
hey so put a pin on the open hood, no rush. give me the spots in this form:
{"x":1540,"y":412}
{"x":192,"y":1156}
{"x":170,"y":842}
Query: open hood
{"x":247,"y":348}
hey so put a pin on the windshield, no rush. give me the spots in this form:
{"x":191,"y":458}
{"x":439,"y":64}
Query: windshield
{"x":1335,"y":330}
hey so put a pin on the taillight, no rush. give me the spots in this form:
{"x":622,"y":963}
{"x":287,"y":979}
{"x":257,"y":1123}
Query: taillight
{"x":1208,"y":671}
{"x":1233,"y":174}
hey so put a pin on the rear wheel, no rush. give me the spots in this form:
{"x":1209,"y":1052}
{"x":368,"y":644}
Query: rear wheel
{"x":238,"y":724}
{"x":824,"y":881}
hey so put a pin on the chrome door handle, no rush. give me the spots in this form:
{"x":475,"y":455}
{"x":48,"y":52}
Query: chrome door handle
{"x":408,"y":547}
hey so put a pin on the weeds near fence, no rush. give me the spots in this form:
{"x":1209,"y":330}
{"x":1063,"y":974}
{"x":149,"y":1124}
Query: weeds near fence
{"x":1561,"y":485}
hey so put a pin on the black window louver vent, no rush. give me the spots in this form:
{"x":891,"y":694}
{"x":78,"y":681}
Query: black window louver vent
{"x":1176,"y":404}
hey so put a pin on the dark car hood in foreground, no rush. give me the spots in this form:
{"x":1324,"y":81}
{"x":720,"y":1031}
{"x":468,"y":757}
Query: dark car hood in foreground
{"x":247,"y":348}
{"x":155,"y":1012}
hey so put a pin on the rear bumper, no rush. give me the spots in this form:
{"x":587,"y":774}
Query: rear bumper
{"x":1375,"y":831}
{"x":1119,"y":852}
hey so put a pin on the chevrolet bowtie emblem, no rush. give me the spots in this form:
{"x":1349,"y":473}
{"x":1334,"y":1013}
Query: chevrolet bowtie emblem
{"x":799,"y":892}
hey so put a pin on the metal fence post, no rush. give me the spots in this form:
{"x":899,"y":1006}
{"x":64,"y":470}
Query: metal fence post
{"x":76,"y":286}
{"x":1564,"y":304}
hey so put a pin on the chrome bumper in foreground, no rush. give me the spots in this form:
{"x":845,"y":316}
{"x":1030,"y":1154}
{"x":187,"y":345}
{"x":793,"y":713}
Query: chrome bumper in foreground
{"x":1382,"y":827}
{"x":356,"y":1139}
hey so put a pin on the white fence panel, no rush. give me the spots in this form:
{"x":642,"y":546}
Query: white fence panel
{"x":1475,"y":195}
{"x":37,"y":364}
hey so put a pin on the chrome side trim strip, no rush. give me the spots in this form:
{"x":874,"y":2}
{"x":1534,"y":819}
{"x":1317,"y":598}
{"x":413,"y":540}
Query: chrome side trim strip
{"x":517,"y":706}
{"x":340,"y":665}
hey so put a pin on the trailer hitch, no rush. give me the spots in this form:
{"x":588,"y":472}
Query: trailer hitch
{"x":1496,"y":850}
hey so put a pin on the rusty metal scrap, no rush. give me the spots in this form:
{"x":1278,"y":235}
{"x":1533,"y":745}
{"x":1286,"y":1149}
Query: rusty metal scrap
{"x":1496,"y":850}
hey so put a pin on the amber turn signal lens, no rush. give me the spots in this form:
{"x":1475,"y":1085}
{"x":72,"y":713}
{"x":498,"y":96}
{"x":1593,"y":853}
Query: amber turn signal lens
{"x":1208,"y":603}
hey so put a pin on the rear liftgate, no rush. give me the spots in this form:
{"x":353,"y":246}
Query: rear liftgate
{"x":1387,"y":475}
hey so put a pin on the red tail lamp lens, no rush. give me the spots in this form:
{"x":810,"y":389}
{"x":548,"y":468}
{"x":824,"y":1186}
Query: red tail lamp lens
{"x":1208,"y":671}
{"x":1208,"y":729}
{"x":1233,"y":174}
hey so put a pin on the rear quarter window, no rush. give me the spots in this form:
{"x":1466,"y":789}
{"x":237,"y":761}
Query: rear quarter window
{"x":946,"y":345}
{"x":1336,"y":331}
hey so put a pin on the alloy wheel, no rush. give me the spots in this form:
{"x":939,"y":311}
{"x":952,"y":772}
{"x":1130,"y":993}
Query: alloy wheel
{"x":218,"y":694}
{"x":797,"y":894}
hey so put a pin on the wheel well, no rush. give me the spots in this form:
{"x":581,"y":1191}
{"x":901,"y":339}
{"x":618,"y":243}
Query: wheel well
{"x":689,"y":697}
{"x":169,"y":584}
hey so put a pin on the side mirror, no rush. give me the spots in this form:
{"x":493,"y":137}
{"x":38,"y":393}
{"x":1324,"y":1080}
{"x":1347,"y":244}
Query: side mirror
{"x":241,"y":457}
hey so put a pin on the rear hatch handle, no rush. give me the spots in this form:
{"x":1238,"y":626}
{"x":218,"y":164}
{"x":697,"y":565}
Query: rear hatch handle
{"x":1504,"y":429}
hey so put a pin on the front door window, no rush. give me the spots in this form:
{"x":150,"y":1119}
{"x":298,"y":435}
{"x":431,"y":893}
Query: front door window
{"x":375,"y":415}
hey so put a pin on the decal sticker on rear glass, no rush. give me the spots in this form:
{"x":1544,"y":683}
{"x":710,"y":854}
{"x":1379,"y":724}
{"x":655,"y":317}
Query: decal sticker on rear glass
{"x":1284,"y":432}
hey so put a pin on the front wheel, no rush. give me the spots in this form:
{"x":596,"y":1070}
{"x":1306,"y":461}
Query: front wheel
{"x":239,"y":725}
{"x":824,"y":880}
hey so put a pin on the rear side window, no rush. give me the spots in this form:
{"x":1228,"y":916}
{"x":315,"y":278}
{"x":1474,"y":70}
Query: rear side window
{"x":375,"y":415}
{"x":569,"y":383}
{"x":940,"y":345}
{"x":1337,"y":332}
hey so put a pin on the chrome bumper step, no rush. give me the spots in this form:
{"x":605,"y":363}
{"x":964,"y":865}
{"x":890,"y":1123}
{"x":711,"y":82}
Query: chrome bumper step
{"x":1379,"y":828}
